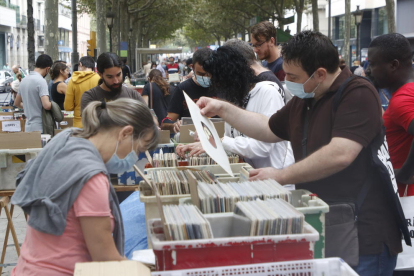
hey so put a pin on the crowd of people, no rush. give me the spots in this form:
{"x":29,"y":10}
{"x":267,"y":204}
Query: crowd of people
{"x":300,"y":117}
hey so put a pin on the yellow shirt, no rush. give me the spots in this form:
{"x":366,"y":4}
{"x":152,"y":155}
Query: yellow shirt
{"x":80,"y":82}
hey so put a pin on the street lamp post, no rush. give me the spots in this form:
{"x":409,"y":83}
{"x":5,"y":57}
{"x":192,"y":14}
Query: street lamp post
{"x":110,"y":16}
{"x":358,"y":18}
{"x":129,"y":47}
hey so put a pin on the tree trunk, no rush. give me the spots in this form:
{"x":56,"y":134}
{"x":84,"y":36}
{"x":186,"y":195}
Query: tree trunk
{"x":315,"y":15}
{"x":347,"y":31}
{"x":299,"y":5}
{"x":116,"y":29}
{"x":101,"y":26}
{"x":31,"y":36}
{"x":390,"y":6}
{"x":51,"y":28}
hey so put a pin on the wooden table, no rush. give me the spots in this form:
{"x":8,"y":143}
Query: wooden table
{"x":4,"y":203}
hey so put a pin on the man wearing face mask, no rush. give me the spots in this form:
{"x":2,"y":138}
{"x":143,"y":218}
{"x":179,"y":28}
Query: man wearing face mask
{"x":334,"y":145}
{"x":195,"y":87}
{"x":109,"y":67}
{"x":34,"y":93}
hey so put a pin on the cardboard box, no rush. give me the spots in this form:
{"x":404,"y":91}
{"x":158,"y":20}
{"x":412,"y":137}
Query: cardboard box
{"x":164,"y":137}
{"x":6,"y":116}
{"x":20,"y":140}
{"x":185,"y":136}
{"x":12,"y":126}
{"x":56,"y":131}
{"x":66,"y":123}
{"x":124,"y":268}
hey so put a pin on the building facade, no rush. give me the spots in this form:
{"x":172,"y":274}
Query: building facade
{"x":374,"y":23}
{"x":14,"y":38}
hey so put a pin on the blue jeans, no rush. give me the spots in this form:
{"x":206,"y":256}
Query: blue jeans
{"x":376,"y":265}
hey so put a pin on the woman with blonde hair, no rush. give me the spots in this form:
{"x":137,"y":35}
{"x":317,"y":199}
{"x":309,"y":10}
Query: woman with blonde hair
{"x":73,"y":210}
{"x":157,"y":94}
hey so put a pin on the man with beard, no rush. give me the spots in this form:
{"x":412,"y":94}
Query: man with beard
{"x":109,"y":67}
{"x":263,"y":38}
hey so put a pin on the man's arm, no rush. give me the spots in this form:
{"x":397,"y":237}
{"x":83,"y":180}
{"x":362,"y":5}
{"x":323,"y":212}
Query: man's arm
{"x":406,"y":173}
{"x":253,"y":125}
{"x":18,"y":101}
{"x":326,"y":161}
{"x":46,"y":103}
{"x":169,"y":124}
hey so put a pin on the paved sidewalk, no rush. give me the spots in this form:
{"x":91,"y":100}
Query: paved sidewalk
{"x":20,"y":226}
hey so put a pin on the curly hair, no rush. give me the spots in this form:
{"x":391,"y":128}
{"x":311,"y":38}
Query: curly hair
{"x":155,"y":75}
{"x":231,"y":77}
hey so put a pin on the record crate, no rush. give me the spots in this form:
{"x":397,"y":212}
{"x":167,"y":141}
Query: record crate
{"x":224,"y":250}
{"x":304,"y":201}
{"x":146,"y":195}
{"x":320,"y":267}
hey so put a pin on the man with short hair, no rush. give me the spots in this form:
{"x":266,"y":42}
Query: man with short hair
{"x":263,"y":39}
{"x":34,"y":95}
{"x":333,"y":144}
{"x":172,"y":67}
{"x":196,"y":87}
{"x":82,"y":80}
{"x":109,"y":67}
{"x":390,"y":67}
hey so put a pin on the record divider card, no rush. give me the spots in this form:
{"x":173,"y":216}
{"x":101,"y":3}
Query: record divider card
{"x":159,"y":203}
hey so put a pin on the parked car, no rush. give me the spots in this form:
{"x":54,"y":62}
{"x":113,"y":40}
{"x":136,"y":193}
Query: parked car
{"x":6,"y":79}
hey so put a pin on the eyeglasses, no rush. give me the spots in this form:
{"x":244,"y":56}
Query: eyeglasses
{"x":257,"y":45}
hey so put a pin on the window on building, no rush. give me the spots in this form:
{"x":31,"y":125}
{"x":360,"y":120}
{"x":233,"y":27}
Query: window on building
{"x":382,"y":21}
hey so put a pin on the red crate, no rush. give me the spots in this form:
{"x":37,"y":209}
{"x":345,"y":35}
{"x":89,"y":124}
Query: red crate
{"x":227,"y":251}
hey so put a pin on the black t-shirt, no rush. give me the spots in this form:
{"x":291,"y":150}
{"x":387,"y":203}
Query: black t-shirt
{"x":178,"y":104}
{"x":56,"y":96}
{"x":160,"y":102}
{"x":98,"y":94}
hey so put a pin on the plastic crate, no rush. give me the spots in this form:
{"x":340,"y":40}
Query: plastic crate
{"x":314,"y":210}
{"x":320,"y":267}
{"x":224,"y":250}
{"x":11,"y":163}
{"x":217,"y":170}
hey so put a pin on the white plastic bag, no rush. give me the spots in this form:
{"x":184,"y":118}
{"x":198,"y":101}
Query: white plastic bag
{"x":405,"y":259}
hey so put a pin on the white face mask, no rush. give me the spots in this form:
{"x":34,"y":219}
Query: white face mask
{"x":298,"y":90}
{"x":117,"y":165}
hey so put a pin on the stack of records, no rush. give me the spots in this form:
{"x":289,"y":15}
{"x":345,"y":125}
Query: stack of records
{"x":222,"y":197}
{"x":162,"y":160}
{"x":205,"y":159}
{"x":271,"y":217}
{"x":186,"y":222}
{"x":175,"y":182}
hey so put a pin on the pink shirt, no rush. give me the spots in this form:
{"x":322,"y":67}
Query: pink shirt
{"x":47,"y":255}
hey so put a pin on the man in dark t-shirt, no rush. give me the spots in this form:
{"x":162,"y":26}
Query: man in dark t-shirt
{"x":333,"y":154}
{"x":263,"y":39}
{"x":196,"y":87}
{"x":111,"y":87}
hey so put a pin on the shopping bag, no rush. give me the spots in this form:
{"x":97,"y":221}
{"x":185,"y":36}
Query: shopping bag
{"x":405,"y":259}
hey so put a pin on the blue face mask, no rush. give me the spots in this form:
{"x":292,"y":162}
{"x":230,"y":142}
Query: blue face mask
{"x":116,"y":165}
{"x":298,"y":90}
{"x":203,"y":81}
